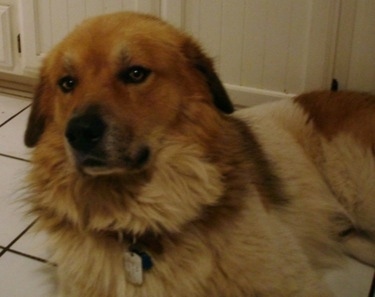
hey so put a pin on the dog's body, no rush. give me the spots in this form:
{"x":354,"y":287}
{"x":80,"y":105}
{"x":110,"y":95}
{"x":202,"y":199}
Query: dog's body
{"x":134,"y":147}
{"x":322,"y":148}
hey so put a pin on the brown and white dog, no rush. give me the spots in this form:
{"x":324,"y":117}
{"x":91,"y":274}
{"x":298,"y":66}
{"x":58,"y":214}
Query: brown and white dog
{"x":149,"y":188}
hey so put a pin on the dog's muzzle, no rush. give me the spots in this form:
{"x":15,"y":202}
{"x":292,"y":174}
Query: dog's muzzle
{"x":85,"y":134}
{"x":94,"y":151}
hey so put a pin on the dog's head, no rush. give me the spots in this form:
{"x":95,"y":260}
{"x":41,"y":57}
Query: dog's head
{"x":113,"y":87}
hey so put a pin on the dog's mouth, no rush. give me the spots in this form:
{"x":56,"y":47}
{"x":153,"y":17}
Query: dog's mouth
{"x":98,"y":162}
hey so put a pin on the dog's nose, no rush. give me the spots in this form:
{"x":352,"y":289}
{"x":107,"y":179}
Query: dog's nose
{"x":84,"y":132}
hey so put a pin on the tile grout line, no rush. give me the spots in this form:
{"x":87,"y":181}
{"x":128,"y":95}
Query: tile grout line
{"x":29,"y":256}
{"x":7,"y":121}
{"x":15,"y":158}
{"x":15,"y":115}
{"x":6,"y":248}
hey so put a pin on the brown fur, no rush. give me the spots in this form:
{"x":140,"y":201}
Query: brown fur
{"x":195,"y":187}
{"x":338,"y":112}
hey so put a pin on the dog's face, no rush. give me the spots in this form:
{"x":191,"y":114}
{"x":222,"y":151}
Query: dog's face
{"x":116,"y":86}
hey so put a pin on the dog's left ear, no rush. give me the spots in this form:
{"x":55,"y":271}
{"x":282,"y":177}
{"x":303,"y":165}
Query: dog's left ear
{"x":39,"y":115}
{"x":204,"y":64}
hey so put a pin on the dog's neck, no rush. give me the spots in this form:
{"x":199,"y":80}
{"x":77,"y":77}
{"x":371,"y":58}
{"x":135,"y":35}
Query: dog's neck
{"x":148,"y":241}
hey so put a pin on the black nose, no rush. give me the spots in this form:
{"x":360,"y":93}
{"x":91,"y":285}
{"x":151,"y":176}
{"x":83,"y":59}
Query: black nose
{"x":85,"y":132}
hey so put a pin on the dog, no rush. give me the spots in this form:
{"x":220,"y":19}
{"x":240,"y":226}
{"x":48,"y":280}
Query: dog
{"x":149,"y":184}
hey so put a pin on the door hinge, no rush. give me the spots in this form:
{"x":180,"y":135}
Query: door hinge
{"x":334,"y":85}
{"x":19,"y":47}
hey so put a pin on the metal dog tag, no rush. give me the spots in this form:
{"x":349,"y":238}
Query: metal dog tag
{"x":133,"y":268}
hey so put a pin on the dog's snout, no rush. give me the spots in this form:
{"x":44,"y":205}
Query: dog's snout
{"x":85,"y":132}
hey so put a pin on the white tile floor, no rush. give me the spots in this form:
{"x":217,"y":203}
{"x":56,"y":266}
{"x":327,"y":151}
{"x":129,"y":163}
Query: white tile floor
{"x":23,"y":256}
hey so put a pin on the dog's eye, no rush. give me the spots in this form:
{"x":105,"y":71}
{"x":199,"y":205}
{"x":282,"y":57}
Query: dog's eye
{"x":67,"y":83}
{"x":134,"y":74}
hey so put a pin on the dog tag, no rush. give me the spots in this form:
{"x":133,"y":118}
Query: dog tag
{"x":146,"y":258}
{"x":133,"y":268}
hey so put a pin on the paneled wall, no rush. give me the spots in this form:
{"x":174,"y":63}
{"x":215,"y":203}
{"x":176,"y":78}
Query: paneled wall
{"x":267,"y":48}
{"x":355,"y":60}
{"x":255,"y":43}
{"x":55,"y":18}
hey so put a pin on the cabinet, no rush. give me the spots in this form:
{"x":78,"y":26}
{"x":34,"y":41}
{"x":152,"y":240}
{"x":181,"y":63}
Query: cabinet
{"x":6,"y":57}
{"x":263,"y":49}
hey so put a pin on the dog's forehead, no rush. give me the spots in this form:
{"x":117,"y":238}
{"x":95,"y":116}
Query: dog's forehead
{"x":108,"y":31}
{"x":119,"y":39}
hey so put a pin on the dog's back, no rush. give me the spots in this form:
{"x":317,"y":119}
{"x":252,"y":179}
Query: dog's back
{"x":321,"y":145}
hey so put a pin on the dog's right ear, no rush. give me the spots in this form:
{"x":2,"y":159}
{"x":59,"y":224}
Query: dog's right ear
{"x":40,"y":114}
{"x":205,"y":66}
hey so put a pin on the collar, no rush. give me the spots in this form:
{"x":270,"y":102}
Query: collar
{"x":148,"y":241}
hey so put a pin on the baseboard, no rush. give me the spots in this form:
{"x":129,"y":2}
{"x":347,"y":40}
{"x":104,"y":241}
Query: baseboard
{"x":17,"y":85}
{"x":246,"y":96}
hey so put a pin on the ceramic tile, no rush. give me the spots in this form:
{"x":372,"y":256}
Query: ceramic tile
{"x":10,"y":105}
{"x":353,"y":280}
{"x":11,"y":137}
{"x":34,"y":244}
{"x":24,"y":277}
{"x":12,"y":220}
